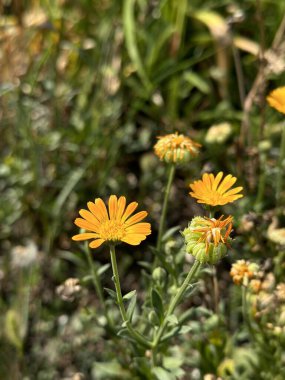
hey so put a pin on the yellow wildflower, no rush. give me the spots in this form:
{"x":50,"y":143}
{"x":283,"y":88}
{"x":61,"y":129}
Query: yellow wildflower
{"x":115,"y":225}
{"x":214,"y":191}
{"x":242,"y":271}
{"x":276,"y":99}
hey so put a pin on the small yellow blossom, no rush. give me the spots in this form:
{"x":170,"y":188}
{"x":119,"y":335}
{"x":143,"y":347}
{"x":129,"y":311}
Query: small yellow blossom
{"x":214,"y":191}
{"x":242,"y":271}
{"x":276,"y":99}
{"x":113,"y":225}
{"x":176,"y":148}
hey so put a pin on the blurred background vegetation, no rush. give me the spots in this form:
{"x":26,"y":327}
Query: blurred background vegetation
{"x":86,"y":86}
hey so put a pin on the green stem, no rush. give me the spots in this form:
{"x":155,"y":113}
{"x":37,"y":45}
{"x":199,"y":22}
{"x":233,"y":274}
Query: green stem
{"x":245,"y":313}
{"x":214,"y":274}
{"x":97,"y":285}
{"x":165,"y":204}
{"x":279,"y":181}
{"x":175,"y":302}
{"x":261,"y":183}
{"x":137,"y":336}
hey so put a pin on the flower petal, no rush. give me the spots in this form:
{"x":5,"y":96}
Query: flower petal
{"x":129,"y":210}
{"x":121,"y":207}
{"x":94,"y":210}
{"x":101,"y":209}
{"x":134,"y":239}
{"x":139,"y":228}
{"x":136,"y":218}
{"x":96,"y":243}
{"x":226,"y":184}
{"x":84,"y":236}
{"x":89,"y":217}
{"x":113,"y":205}
{"x":217,"y":180}
{"x":233,"y":191}
{"x":82,"y":223}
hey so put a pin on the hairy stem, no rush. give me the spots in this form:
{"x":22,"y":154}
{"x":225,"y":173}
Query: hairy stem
{"x":165,"y":205}
{"x":174,"y":302}
{"x":137,"y":336}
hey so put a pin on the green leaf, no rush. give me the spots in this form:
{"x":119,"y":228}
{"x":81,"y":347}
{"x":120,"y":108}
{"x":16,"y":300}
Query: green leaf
{"x":131,"y":308}
{"x":170,"y":334}
{"x":162,"y":374}
{"x":190,"y":290}
{"x":170,"y":232}
{"x":130,"y":29}
{"x":111,"y":293}
{"x":103,"y":269}
{"x":157,"y":303}
{"x":197,"y":81}
{"x":72,"y":257}
{"x":170,"y":362}
{"x":87,"y":278}
{"x":109,"y":370}
{"x":172,"y":319}
{"x":185,"y":329}
{"x":129,"y":295}
{"x":145,"y":265}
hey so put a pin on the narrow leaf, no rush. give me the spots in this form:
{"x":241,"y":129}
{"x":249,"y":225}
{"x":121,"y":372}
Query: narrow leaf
{"x":111,"y":293}
{"x":129,"y":295}
{"x":157,"y":303}
{"x":131,"y":308}
{"x":172,"y":319}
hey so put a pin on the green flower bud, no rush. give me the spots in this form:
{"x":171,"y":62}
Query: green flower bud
{"x":208,"y":239}
{"x":159,"y":274}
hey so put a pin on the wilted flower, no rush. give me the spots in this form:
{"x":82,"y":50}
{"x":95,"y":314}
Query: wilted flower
{"x":176,"y":148}
{"x":218,"y":133}
{"x":68,"y":290}
{"x":242,"y":271}
{"x":276,"y":99}
{"x":24,"y":256}
{"x":208,"y":239}
{"x":214,"y":191}
{"x":114,"y":225}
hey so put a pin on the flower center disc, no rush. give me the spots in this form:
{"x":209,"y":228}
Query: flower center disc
{"x":112,"y":230}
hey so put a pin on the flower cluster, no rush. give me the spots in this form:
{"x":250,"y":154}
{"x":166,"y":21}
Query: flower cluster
{"x":207,"y":239}
{"x":242,"y":271}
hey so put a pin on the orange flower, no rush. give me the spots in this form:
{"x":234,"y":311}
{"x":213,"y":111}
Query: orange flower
{"x":176,"y":148}
{"x":276,"y":99}
{"x":214,"y":231}
{"x":214,"y":191}
{"x":115,"y":225}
